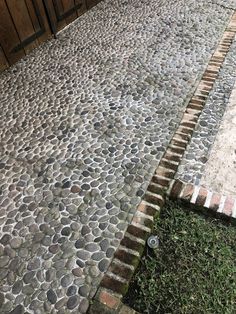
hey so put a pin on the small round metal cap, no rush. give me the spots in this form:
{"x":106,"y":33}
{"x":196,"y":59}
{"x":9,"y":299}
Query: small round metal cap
{"x":153,"y":242}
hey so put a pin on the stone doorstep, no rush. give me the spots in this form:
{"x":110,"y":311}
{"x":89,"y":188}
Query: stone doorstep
{"x":115,"y":282}
{"x":200,"y":198}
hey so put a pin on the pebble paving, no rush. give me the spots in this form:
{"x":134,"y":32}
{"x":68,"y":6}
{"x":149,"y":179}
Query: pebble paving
{"x":84,"y":122}
{"x":193,"y":165}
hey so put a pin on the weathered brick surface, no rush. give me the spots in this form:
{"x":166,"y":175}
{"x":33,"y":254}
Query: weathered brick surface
{"x":137,"y":232}
{"x":228,"y":206}
{"x":168,"y":165}
{"x":147,"y":209}
{"x":154,"y":188}
{"x":109,"y":299}
{"x":215,"y":202}
{"x":176,"y":189}
{"x":187,"y":192}
{"x":161,"y":181}
{"x":201,"y":198}
{"x":98,"y":308}
{"x":131,"y":244}
{"x":121,"y":270}
{"x":154,"y":198}
{"x":126,"y":257}
{"x":114,"y":284}
{"x":204,"y":200}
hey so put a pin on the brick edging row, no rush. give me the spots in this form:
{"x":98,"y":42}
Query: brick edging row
{"x":116,"y":280}
{"x":201,"y":198}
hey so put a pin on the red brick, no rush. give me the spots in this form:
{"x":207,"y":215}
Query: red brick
{"x":154,"y":188}
{"x":187,"y":192}
{"x":137,"y":232}
{"x":126,"y":257}
{"x":195,"y":107}
{"x":212,"y":72}
{"x":208,"y":79}
{"x":181,"y":136}
{"x":168,"y":165}
{"x":215,"y":202}
{"x":201,"y":198}
{"x":193,"y":111}
{"x":190,"y":118}
{"x":228,"y":206}
{"x":143,"y":221}
{"x":165,"y":173}
{"x":146,"y":209}
{"x":178,"y":143}
{"x":131,"y":244}
{"x":109,"y":300}
{"x":154,"y":199}
{"x":179,"y":151}
{"x":176,"y":189}
{"x":121,"y":271}
{"x":172,"y":157}
{"x":188,"y":124}
{"x":114,"y":284}
{"x":197,"y":102}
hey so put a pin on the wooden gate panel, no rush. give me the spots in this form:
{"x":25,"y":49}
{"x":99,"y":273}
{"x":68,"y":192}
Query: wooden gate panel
{"x":22,"y":22}
{"x":91,"y":3}
{"x":38,"y":19}
{"x":8,"y":35}
{"x":67,"y":5}
{"x":56,"y":24}
{"x":48,"y":33}
{"x":63,"y":12}
{"x":82,"y":6}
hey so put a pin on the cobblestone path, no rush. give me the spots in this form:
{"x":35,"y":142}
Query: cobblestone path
{"x":84,"y":121}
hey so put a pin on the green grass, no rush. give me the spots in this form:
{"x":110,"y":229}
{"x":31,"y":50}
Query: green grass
{"x":193,"y":270}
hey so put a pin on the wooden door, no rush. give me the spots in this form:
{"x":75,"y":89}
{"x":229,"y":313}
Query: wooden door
{"x":63,"y":12}
{"x":91,"y":3}
{"x":23,"y":26}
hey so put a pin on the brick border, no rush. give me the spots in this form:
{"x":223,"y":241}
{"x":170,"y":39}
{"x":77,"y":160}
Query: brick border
{"x":116,"y":280}
{"x":199,"y":198}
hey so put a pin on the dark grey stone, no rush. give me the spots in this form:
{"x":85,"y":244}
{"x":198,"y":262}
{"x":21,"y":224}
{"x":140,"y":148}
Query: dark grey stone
{"x":72,"y":302}
{"x":17,"y":287}
{"x":71,"y":291}
{"x":80,"y":243}
{"x":103,"y":264}
{"x":29,"y":276}
{"x":52,"y":297}
{"x":84,"y":291}
{"x":66,"y":280}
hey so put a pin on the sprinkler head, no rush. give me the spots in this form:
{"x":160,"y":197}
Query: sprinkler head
{"x":153,"y":242}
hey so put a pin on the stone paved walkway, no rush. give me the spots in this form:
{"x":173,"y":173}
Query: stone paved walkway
{"x":195,"y":161}
{"x":84,"y":121}
{"x":220,"y":171}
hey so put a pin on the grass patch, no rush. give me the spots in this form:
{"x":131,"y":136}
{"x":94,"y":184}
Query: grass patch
{"x":193,"y":270}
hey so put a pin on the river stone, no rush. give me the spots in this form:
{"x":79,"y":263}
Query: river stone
{"x":51,"y":295}
{"x":72,"y":302}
